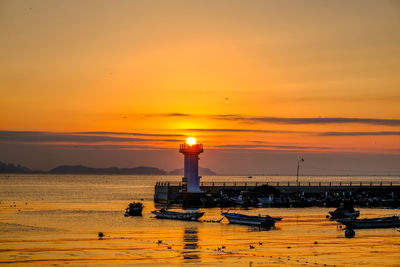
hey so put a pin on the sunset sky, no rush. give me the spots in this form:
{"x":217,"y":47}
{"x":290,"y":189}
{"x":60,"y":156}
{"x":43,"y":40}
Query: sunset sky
{"x":259,"y":83}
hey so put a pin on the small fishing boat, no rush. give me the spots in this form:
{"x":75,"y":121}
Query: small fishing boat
{"x":134,"y":209}
{"x":380,"y":222}
{"x":174,"y":215}
{"x":263,"y":201}
{"x":262,"y":221}
{"x":344,"y":212}
{"x":245,"y":198}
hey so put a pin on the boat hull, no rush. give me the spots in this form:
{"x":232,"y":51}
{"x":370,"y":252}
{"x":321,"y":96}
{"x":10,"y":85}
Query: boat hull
{"x":344,"y":215}
{"x":387,"y":222}
{"x":134,"y":209}
{"x":134,"y":212}
{"x":188,"y":216}
{"x":251,"y":220}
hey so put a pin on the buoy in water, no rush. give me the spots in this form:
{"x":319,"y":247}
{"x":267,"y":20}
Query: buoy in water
{"x":349,"y":233}
{"x":101,"y":234}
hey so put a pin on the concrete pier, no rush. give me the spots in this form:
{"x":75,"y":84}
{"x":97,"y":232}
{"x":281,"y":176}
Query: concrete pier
{"x":379,"y":193}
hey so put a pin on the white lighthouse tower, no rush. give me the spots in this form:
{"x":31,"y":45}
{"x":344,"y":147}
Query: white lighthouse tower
{"x":191,"y":150}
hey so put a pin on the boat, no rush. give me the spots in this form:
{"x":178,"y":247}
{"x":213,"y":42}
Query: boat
{"x":174,"y":215}
{"x":344,"y":211}
{"x":379,"y":222}
{"x":245,"y":198}
{"x":262,"y":221}
{"x":262,"y":201}
{"x":134,"y":209}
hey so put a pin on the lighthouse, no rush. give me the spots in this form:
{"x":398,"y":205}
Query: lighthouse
{"x":191,"y":178}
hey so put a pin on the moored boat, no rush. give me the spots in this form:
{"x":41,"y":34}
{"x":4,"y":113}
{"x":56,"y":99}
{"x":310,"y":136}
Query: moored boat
{"x":344,"y":211}
{"x":379,"y":222}
{"x":134,"y":209}
{"x":245,"y":198}
{"x":174,"y":215}
{"x":262,"y":221}
{"x":262,"y":201}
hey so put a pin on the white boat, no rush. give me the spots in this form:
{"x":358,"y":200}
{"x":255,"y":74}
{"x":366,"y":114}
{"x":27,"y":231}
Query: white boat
{"x":174,"y":215}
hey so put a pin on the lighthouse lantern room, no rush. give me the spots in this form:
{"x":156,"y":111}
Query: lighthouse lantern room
{"x":191,"y":178}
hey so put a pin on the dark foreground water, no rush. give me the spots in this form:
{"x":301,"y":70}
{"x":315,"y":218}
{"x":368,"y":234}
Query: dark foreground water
{"x":54,"y":220}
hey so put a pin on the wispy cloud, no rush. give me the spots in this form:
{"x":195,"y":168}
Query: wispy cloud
{"x":282,"y":120}
{"x":287,"y":120}
{"x":239,"y":130}
{"x":338,"y":99}
{"x":358,"y":133}
{"x":29,"y":136}
{"x":105,"y":147}
{"x":269,"y":146}
{"x":177,"y":114}
{"x":174,"y":114}
{"x":127,"y":133}
{"x":379,"y":133}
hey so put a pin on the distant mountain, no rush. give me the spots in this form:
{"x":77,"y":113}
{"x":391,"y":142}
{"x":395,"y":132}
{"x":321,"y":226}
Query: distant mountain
{"x":202,"y":171}
{"x":11,"y":168}
{"x":79,"y":169}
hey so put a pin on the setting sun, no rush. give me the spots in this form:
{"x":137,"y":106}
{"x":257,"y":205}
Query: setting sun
{"x":191,"y":141}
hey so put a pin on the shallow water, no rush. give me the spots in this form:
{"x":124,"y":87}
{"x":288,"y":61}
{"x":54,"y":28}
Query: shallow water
{"x":55,"y":219}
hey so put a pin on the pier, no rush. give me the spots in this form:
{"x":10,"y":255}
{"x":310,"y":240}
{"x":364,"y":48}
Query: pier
{"x":289,"y":194}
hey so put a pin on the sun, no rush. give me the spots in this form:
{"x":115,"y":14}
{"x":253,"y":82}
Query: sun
{"x":191,"y":141}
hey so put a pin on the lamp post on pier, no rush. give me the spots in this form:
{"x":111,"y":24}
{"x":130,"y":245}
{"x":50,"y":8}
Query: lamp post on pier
{"x":298,"y":167}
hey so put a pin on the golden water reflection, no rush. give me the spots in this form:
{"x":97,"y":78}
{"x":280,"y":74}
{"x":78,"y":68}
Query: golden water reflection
{"x":190,"y":244}
{"x":55,"y":220}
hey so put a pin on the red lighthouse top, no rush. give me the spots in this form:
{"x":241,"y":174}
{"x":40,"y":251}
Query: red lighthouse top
{"x":191,"y":147}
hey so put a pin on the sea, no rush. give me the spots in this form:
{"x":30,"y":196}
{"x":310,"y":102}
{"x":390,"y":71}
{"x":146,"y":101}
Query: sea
{"x":54,"y":220}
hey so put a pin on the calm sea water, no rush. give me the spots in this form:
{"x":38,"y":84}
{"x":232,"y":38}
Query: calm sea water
{"x":55,"y":219}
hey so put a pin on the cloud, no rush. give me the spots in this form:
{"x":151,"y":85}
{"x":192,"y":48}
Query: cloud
{"x":177,"y":115}
{"x":26,"y":136}
{"x":127,"y":133}
{"x":239,"y":130}
{"x":282,"y":120}
{"x":102,"y":147}
{"x":286,"y":120}
{"x":173,"y":114}
{"x":381,"y":133}
{"x":263,"y":146}
{"x":358,"y":133}
{"x":338,"y":99}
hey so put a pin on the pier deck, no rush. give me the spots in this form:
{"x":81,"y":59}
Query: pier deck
{"x":171,"y":192}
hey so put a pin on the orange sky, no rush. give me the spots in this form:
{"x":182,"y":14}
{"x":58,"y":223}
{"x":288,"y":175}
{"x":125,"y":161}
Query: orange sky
{"x":295,"y":76}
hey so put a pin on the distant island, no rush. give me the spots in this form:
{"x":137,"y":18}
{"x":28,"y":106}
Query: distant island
{"x":80,"y":169}
{"x":12,"y":168}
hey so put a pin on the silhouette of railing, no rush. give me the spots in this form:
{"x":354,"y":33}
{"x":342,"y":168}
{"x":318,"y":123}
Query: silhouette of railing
{"x":290,"y":184}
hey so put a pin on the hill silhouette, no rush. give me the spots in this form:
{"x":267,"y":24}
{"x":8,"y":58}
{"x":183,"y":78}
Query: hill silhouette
{"x":79,"y":169}
{"x":12,"y":168}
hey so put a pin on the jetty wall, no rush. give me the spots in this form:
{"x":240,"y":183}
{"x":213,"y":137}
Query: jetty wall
{"x":171,"y":192}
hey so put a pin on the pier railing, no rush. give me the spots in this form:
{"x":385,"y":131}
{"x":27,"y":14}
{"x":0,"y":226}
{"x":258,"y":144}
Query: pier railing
{"x":289,"y":183}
